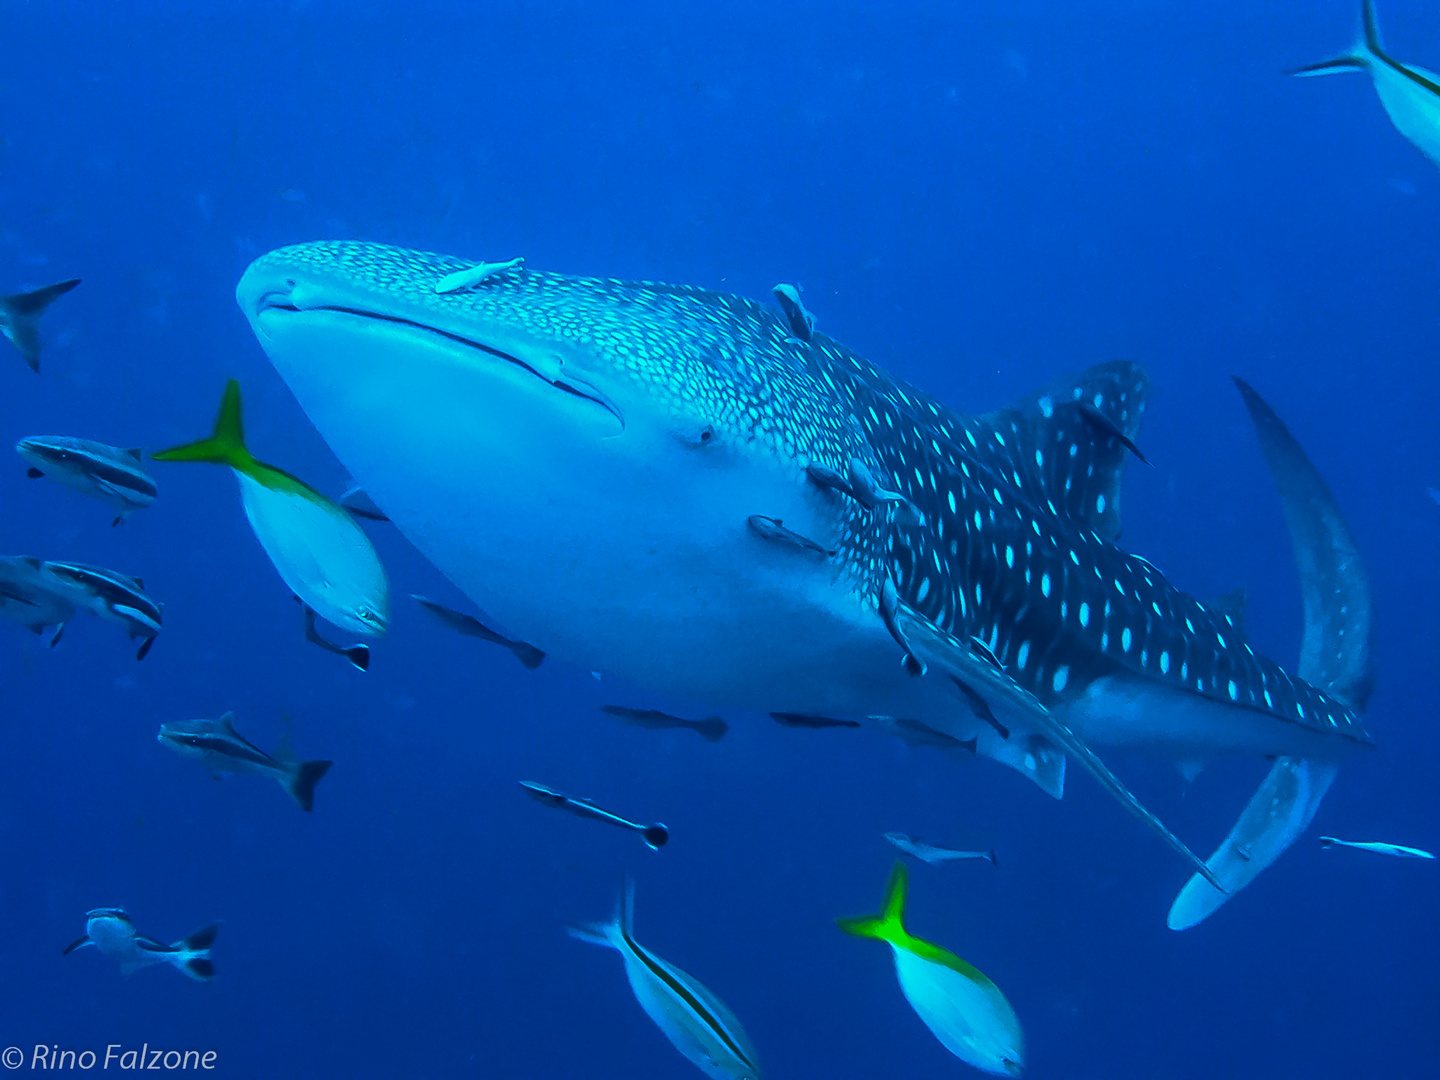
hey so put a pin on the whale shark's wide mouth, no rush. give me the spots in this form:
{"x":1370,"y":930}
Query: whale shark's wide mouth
{"x":545,"y":365}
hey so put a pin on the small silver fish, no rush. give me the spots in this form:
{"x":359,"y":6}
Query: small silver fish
{"x":114,"y":596}
{"x":655,"y":835}
{"x":220,"y":748}
{"x":20,"y":317}
{"x":711,"y":729}
{"x":458,"y":621}
{"x":97,"y":469}
{"x":696,"y":1022}
{"x":34,"y":597}
{"x":474,"y":275}
{"x":1397,"y":850}
{"x":929,"y":853}
{"x":111,"y":931}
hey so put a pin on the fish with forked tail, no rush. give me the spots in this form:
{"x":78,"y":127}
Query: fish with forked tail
{"x":111,"y":931}
{"x":316,"y":547}
{"x":20,"y":317}
{"x":220,"y":748}
{"x":711,"y":729}
{"x":97,"y":469}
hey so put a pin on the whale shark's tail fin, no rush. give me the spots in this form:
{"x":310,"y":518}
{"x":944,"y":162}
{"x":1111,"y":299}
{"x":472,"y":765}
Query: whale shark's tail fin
{"x":1335,"y":656}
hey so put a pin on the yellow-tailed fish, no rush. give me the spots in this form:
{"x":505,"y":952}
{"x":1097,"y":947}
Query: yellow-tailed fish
{"x":317,"y":548}
{"x":692,"y":1018}
{"x":1410,"y":94}
{"x":965,"y":1010}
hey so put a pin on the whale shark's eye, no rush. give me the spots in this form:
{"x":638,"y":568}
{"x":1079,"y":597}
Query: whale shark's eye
{"x":707,"y":433}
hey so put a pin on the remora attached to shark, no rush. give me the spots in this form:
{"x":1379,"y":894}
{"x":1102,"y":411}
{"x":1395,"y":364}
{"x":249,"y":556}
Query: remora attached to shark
{"x":582,"y":457}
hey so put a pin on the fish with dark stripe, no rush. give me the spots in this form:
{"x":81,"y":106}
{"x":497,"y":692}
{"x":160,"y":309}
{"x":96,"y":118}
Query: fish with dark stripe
{"x":695,"y":1021}
{"x":111,"y":931}
{"x":220,"y":748}
{"x":114,"y":596}
{"x":97,"y":469}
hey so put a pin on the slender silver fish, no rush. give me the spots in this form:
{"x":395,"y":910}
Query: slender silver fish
{"x":655,"y":835}
{"x":1398,"y":850}
{"x":111,"y":931}
{"x":97,"y":469}
{"x":929,"y":853}
{"x":220,"y":748}
{"x":458,"y":621}
{"x":114,"y":596}
{"x":696,"y":1022}
{"x":711,"y":729}
{"x":34,"y":597}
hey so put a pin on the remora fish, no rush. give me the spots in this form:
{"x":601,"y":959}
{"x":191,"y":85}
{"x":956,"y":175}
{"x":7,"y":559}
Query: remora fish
{"x":318,"y":550}
{"x":114,"y":596}
{"x":695,"y":1021}
{"x":582,"y":457}
{"x":711,"y":729}
{"x":655,"y":835}
{"x":111,"y":931}
{"x":1398,"y":850}
{"x":220,"y":748}
{"x":931,"y":854}
{"x":34,"y":597}
{"x":1410,"y":94}
{"x":458,"y":621}
{"x":962,"y":1008}
{"x":20,"y":317}
{"x":93,"y":468}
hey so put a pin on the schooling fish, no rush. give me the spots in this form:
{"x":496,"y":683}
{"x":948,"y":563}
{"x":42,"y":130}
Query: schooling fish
{"x":471,"y":276}
{"x":20,"y":317}
{"x":114,"y":596}
{"x":931,"y":854}
{"x":696,"y":1022}
{"x":1381,"y":849}
{"x":965,"y":1010}
{"x":317,"y":548}
{"x":1410,"y":94}
{"x":220,"y":748}
{"x":34,"y":597}
{"x":93,"y":468}
{"x":111,"y":931}
{"x":711,"y":729}
{"x":528,"y":655}
{"x":655,"y":836}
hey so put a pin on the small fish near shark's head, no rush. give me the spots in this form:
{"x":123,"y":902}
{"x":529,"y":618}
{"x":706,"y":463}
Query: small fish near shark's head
{"x":663,"y":416}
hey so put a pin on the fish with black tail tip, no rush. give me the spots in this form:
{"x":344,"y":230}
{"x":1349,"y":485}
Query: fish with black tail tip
{"x":316,"y":547}
{"x":118,"y":597}
{"x":711,"y":729}
{"x":97,"y":469}
{"x":20,"y":317}
{"x":34,"y":597}
{"x":220,"y":748}
{"x":111,"y":931}
{"x":655,"y":835}
{"x":458,"y":621}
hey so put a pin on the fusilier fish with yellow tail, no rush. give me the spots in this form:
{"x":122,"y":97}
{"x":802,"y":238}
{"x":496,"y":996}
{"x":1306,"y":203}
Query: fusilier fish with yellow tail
{"x":316,"y":547}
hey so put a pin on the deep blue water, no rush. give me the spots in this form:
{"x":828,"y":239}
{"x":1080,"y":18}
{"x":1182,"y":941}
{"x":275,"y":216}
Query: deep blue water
{"x":979,"y":197}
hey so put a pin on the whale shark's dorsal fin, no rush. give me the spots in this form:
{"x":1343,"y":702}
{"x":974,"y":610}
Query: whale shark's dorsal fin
{"x":1334,"y":656}
{"x":1070,"y":441}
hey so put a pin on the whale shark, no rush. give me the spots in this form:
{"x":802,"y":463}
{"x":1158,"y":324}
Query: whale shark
{"x":584,"y":458}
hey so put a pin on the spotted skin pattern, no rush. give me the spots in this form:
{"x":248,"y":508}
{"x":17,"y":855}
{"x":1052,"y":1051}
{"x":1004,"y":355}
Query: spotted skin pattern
{"x":1021,"y":507}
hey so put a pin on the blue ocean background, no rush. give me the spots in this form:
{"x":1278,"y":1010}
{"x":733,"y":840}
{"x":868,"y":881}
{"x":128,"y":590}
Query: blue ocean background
{"x":979,"y":197}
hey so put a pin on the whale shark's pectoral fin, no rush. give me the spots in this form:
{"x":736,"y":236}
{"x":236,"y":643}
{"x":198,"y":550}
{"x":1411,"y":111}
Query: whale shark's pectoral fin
{"x":983,"y":676}
{"x":1277,"y":813}
{"x":1334,"y":655}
